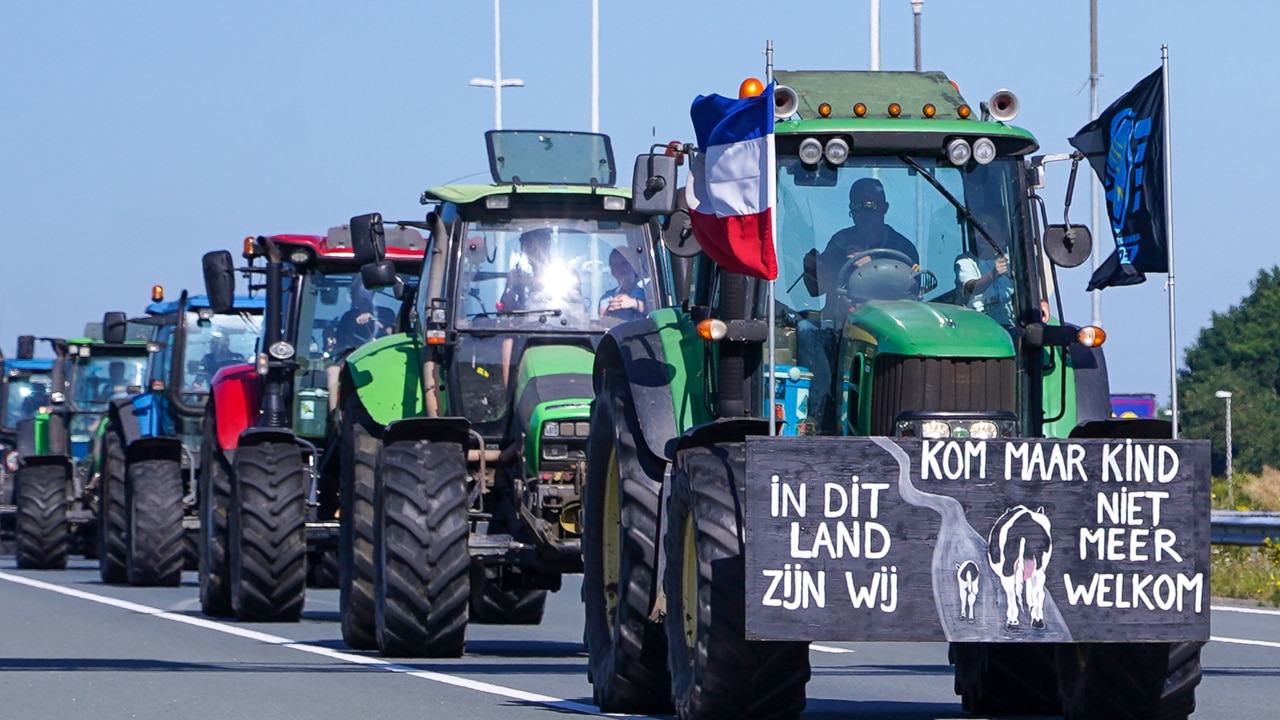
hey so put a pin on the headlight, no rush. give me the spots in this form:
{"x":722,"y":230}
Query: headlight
{"x":984,"y":430}
{"x":810,"y":151}
{"x":299,"y":257}
{"x":550,"y":429}
{"x":959,"y":152}
{"x":934,"y":429}
{"x":837,"y":151}
{"x":984,"y":151}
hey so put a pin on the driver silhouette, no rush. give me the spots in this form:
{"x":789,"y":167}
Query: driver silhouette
{"x":867,"y":207}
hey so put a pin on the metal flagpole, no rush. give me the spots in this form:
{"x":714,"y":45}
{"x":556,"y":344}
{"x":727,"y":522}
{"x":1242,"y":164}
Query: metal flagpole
{"x":1168,"y":229}
{"x":772,"y":179}
{"x":1093,"y":187}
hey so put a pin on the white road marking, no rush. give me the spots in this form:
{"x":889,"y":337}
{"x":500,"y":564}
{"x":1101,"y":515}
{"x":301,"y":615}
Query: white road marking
{"x":1246,"y":610}
{"x":829,"y":649}
{"x":1245,"y":641}
{"x":366,"y":660}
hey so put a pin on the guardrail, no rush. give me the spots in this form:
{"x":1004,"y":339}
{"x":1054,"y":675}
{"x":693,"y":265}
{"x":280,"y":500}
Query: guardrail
{"x":1239,"y":527}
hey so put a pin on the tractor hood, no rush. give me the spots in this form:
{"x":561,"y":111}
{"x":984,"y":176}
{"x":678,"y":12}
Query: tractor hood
{"x":906,"y":327}
{"x":554,"y":386}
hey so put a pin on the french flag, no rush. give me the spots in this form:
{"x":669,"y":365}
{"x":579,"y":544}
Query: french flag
{"x":730,"y":191}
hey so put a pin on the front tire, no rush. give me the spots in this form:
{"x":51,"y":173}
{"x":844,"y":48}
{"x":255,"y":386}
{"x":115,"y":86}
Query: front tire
{"x":214,"y":503}
{"x":153,"y":492}
{"x":360,"y":443}
{"x":42,"y":532}
{"x":627,"y":651}
{"x":113,"y":513}
{"x":715,"y":671}
{"x":268,"y":530}
{"x":422,"y":561}
{"x":1129,"y":681}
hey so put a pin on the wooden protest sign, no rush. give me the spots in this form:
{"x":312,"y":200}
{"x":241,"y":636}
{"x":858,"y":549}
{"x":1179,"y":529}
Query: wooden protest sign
{"x":1027,"y":540}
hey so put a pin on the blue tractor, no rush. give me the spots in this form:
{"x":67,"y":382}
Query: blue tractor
{"x":146,"y":458}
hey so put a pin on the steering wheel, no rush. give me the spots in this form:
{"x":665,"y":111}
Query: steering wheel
{"x":878,"y":274}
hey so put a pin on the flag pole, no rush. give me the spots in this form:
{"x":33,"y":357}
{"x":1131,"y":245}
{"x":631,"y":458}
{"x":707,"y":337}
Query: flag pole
{"x":772,"y":179}
{"x":1168,"y":229}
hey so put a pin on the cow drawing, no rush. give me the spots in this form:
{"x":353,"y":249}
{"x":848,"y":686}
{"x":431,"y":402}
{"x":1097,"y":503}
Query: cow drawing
{"x":1019,"y":547}
{"x":967,"y":577}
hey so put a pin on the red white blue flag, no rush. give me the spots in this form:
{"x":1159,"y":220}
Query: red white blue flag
{"x":730,"y":189}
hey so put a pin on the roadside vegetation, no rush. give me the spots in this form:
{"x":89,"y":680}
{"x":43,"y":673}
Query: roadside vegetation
{"x":1247,"y":573}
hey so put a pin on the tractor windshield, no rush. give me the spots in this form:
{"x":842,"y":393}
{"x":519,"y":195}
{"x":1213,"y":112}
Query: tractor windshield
{"x":98,"y":379}
{"x":887,"y":228}
{"x":553,"y":275}
{"x":25,"y":394}
{"x":214,"y":342}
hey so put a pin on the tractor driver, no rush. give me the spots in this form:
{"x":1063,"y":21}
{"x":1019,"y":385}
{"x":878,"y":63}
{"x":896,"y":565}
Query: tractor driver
{"x":816,"y":339}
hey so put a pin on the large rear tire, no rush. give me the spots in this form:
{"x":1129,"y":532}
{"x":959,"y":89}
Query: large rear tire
{"x":715,"y":671}
{"x":360,"y":443}
{"x":627,"y":651}
{"x":214,"y":502}
{"x":268,"y":531}
{"x":42,"y":532}
{"x":113,"y":513}
{"x":153,"y":492}
{"x":1129,"y":681}
{"x":422,"y":561}
{"x":1006,"y":678}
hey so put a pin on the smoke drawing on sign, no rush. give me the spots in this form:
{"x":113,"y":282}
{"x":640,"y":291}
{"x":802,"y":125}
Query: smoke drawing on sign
{"x":958,"y":543}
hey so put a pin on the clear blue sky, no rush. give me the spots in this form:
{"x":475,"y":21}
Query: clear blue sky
{"x":134,"y":136}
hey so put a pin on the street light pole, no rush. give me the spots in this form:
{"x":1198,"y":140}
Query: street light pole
{"x":497,"y":83}
{"x":1231,"y":489}
{"x":916,"y":7}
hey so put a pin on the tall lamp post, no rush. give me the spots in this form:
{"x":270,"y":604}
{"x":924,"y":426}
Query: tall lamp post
{"x":497,"y":83}
{"x":1231,"y":490}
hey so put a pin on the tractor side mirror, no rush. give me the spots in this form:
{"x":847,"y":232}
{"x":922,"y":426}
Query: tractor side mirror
{"x":653,"y":184}
{"x":1068,"y":246}
{"x":219,"y":280}
{"x":26,"y":347}
{"x":378,"y":275}
{"x":114,"y":327}
{"x":368,"y":239}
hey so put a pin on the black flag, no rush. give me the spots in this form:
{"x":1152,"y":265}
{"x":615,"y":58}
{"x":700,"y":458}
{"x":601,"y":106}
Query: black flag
{"x":1125,"y":146}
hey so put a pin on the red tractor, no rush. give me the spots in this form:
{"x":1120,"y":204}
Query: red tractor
{"x":270,"y":498}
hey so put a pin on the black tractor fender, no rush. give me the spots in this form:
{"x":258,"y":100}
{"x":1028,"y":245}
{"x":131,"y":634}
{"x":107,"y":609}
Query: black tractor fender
{"x":26,"y":447}
{"x":442,"y":429}
{"x":261,"y":435}
{"x":634,"y":347}
{"x":153,"y":448}
{"x":136,"y":445}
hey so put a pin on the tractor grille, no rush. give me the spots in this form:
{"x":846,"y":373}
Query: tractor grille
{"x":922,"y":384}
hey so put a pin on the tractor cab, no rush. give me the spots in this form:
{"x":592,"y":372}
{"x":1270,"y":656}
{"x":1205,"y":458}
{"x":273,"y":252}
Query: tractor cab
{"x":904,"y":240}
{"x":541,"y":263}
{"x":110,"y":362}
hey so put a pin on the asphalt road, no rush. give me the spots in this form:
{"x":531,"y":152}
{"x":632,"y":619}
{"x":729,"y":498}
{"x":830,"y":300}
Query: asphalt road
{"x":71,"y":647}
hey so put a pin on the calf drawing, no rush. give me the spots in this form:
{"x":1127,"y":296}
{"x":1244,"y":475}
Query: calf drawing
{"x":1018,"y":548}
{"x":967,"y":577}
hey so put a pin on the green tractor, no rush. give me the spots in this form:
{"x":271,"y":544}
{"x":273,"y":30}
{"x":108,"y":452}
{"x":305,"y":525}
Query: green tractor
{"x":57,"y":502}
{"x":465,"y":439}
{"x":758,"y":457}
